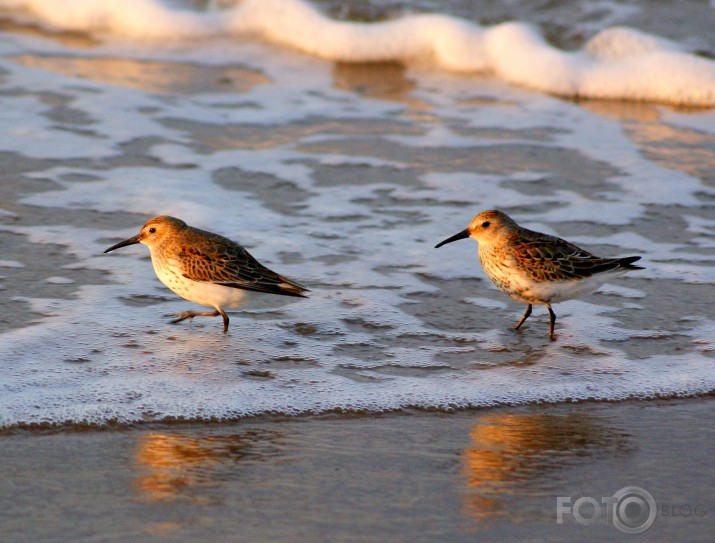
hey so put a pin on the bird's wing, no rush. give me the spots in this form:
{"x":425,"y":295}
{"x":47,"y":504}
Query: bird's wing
{"x":553,"y":259}
{"x":226,"y":263}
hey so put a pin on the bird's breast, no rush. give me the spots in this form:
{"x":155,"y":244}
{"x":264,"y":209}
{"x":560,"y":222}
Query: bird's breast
{"x":206,"y":293}
{"x":504,"y":271}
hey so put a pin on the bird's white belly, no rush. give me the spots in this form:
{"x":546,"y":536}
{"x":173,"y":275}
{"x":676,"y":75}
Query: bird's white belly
{"x":511,"y":279}
{"x":208,"y":294}
{"x":550,"y":292}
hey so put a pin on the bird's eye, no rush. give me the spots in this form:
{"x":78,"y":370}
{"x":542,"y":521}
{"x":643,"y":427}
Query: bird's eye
{"x":152,"y":230}
{"x":485,"y":224}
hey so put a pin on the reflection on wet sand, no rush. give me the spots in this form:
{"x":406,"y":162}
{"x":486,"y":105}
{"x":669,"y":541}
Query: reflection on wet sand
{"x":68,"y":38}
{"x":378,"y":80}
{"x":174,"y":466}
{"x":672,"y":147}
{"x":148,"y":76}
{"x":514,"y":454}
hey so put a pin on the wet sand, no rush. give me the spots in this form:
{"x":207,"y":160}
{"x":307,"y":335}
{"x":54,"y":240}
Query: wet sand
{"x":490,"y":474}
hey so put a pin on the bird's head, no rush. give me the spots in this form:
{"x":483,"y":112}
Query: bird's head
{"x":154,"y":233}
{"x":486,"y":227}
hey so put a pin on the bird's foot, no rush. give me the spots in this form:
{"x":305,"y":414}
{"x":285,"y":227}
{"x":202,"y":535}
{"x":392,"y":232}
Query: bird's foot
{"x":191,"y":314}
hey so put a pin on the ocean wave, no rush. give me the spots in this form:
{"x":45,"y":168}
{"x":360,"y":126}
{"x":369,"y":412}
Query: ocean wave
{"x":617,"y":63}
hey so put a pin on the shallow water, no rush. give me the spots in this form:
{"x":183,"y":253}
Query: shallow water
{"x":342,"y":176}
{"x":491,"y":474}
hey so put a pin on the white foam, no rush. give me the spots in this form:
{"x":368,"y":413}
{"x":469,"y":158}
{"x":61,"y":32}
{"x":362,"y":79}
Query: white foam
{"x":617,"y":63}
{"x":11,"y":264}
{"x":138,"y":19}
{"x":59,"y":280}
{"x":385,"y":326}
{"x":112,"y":369}
{"x":487,"y":303}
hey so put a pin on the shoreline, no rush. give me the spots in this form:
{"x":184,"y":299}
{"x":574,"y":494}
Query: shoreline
{"x":173,"y":422}
{"x":417,"y":476}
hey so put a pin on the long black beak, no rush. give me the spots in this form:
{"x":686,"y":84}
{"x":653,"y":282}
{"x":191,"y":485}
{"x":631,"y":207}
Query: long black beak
{"x":461,"y":235}
{"x":130,"y":241}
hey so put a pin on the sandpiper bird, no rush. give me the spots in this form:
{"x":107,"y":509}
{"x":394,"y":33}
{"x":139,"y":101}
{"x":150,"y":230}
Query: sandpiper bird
{"x":536,"y":268}
{"x":205,"y":268}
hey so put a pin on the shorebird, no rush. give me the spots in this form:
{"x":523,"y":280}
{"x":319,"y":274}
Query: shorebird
{"x":205,"y":268}
{"x":536,"y":268}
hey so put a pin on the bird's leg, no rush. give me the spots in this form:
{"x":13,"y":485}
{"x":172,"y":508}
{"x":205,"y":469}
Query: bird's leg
{"x":191,"y":314}
{"x":526,"y":316}
{"x":552,"y":321}
{"x":225,"y":319}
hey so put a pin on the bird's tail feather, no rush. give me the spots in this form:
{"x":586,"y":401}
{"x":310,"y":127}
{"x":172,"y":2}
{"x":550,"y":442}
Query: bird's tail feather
{"x":627,"y":263}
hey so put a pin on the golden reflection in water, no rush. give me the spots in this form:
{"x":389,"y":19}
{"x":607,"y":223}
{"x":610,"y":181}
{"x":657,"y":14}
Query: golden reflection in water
{"x":68,"y":38}
{"x":378,"y":80}
{"x":512,"y":455}
{"x":149,"y":76}
{"x":175,"y":466}
{"x":672,"y":147}
{"x":162,"y":529}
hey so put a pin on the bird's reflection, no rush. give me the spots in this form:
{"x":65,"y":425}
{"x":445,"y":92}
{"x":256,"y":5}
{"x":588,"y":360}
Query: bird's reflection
{"x":185,"y":466}
{"x":515,"y":455}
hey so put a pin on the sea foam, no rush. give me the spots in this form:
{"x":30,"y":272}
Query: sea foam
{"x":347,"y":193}
{"x":616,"y":63}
